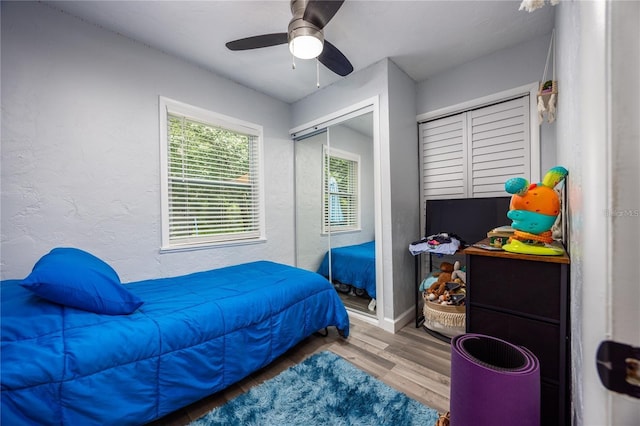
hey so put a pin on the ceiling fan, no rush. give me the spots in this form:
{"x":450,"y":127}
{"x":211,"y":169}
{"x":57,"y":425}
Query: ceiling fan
{"x":304,"y":36}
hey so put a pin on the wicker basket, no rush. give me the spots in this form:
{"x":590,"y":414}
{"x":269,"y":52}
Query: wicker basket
{"x":449,"y":320}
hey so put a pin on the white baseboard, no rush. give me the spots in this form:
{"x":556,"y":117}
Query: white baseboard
{"x":387,"y":324}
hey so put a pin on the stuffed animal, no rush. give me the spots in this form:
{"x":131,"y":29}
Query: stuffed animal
{"x":444,"y":419}
{"x":448,"y":273}
{"x":438,"y":288}
{"x":534,"y":208}
{"x":459,"y":274}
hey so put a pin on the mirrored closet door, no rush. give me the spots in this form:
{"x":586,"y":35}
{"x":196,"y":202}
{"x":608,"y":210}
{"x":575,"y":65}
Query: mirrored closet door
{"x":335,"y":213}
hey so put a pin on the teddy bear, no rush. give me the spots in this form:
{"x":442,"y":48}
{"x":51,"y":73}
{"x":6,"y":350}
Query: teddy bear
{"x":438,"y":288}
{"x":449,"y":272}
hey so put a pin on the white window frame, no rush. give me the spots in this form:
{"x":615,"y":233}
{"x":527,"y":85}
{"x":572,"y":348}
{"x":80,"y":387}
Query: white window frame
{"x":169,"y":106}
{"x":326,"y":224}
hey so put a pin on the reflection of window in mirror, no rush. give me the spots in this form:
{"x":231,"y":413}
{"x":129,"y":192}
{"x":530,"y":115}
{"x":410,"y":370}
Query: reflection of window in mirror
{"x":341,"y":201}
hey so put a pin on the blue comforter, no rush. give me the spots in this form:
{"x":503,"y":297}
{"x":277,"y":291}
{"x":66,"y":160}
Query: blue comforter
{"x":194,"y":335}
{"x":354,"y":265}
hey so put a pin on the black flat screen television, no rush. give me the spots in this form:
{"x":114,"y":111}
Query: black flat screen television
{"x":468,"y":218}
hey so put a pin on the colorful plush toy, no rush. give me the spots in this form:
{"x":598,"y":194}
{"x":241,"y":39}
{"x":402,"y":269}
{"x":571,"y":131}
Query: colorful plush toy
{"x":533,"y":210}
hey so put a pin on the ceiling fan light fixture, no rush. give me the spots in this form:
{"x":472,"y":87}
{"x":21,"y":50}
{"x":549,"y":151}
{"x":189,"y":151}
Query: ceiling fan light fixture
{"x":304,"y":36}
{"x":306,"y":42}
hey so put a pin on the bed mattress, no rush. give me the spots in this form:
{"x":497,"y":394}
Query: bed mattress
{"x":193,"y":336}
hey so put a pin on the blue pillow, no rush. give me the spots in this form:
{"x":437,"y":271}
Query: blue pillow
{"x":73,"y":277}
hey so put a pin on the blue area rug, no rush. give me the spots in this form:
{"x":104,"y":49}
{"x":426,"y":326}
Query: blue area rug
{"x":322,"y":390}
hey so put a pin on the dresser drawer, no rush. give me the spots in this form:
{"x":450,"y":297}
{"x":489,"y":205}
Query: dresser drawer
{"x":549,"y":407}
{"x":543,"y":339}
{"x":517,"y":285}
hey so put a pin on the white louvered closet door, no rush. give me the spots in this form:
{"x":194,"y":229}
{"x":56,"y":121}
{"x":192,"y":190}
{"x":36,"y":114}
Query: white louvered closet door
{"x":472,"y":154}
{"x":499,"y":147}
{"x":444,"y":157}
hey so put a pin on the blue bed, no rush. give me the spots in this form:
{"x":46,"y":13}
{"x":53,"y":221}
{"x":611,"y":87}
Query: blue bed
{"x":193,"y":335}
{"x":354,"y":265}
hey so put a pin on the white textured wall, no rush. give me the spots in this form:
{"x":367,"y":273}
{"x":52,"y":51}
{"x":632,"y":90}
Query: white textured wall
{"x":570,"y":130}
{"x":405,"y":188}
{"x":356,"y":87}
{"x":598,"y":137}
{"x":505,"y":69}
{"x":624,"y":20}
{"x":625,"y":157}
{"x":80,"y":147}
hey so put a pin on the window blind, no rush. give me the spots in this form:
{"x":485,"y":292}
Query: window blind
{"x":341,"y":203}
{"x":213,"y":188}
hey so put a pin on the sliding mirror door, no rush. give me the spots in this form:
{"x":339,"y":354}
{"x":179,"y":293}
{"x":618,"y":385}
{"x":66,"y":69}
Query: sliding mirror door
{"x":311,"y":242}
{"x":335,"y":209}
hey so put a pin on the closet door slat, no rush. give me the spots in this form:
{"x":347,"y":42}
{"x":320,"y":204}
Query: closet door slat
{"x":472,"y":153}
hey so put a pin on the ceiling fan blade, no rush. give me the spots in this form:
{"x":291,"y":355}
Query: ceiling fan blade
{"x":333,"y":59}
{"x":257,"y":42}
{"x":320,"y":12}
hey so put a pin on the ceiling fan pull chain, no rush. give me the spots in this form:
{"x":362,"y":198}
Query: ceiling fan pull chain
{"x":317,"y":73}
{"x":293,"y":62}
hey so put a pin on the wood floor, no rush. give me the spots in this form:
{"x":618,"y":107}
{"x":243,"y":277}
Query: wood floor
{"x":410,"y":361}
{"x":357,"y":303}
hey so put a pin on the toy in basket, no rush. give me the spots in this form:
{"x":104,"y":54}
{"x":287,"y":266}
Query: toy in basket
{"x":444,"y":293}
{"x":533,"y":210}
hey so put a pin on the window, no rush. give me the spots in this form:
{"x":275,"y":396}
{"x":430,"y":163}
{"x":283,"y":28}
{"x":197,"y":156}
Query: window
{"x":211,"y":183}
{"x":341,"y":201}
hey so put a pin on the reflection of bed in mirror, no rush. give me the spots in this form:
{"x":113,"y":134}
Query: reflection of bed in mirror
{"x":319,"y":229}
{"x":353,"y":265}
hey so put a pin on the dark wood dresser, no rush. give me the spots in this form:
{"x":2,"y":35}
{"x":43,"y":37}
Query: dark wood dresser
{"x":524,"y":299}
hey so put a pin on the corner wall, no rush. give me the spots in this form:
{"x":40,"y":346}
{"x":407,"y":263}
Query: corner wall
{"x":80,"y":147}
{"x":599,"y":56}
{"x":405,"y":189}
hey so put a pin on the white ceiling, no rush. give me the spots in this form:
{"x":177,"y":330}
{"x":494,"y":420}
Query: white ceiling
{"x":422,"y":37}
